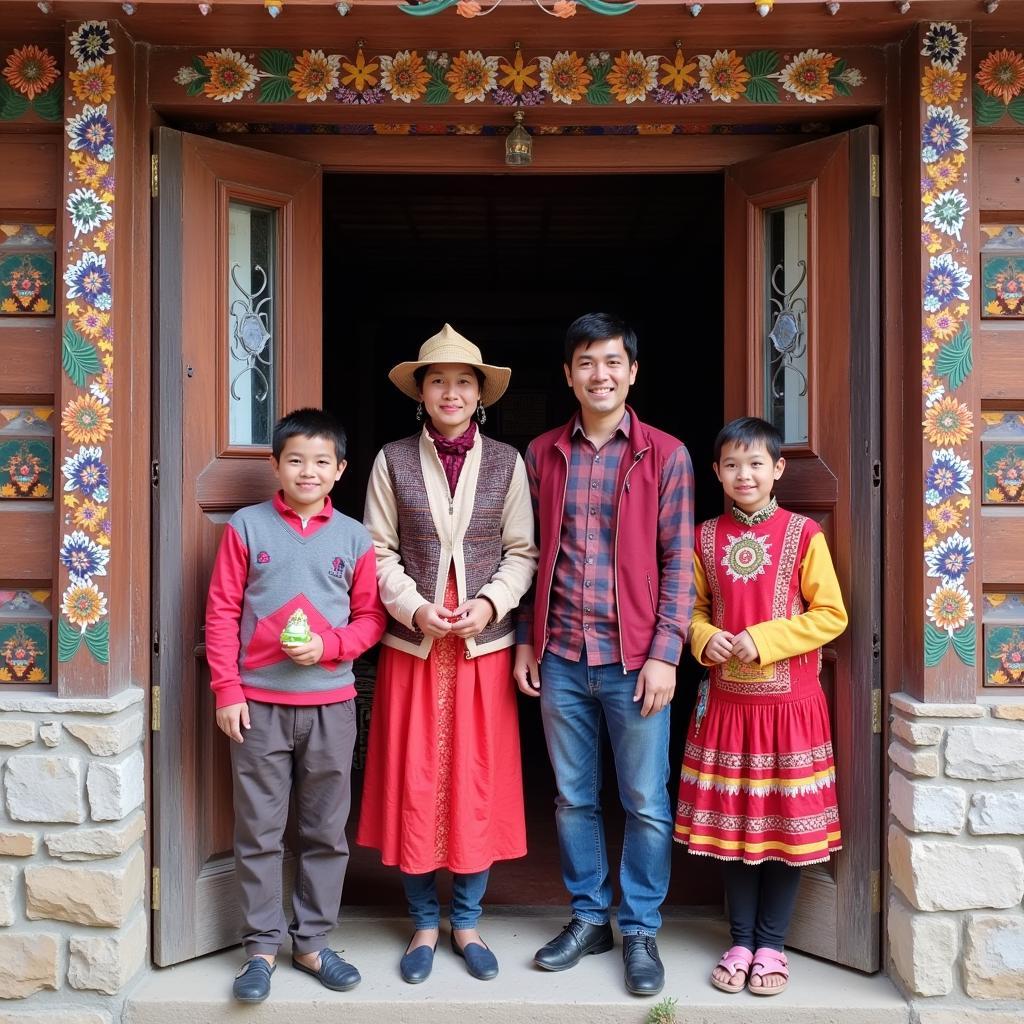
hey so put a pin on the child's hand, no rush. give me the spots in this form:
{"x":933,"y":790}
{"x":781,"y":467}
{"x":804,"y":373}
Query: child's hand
{"x":719,"y":648}
{"x":744,"y":648}
{"x":305,"y":654}
{"x":472,"y":617}
{"x":432,"y":620}
{"x":232,"y":719}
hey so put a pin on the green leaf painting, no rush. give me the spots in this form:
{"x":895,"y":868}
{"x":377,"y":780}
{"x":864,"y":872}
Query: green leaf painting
{"x":437,"y":90}
{"x":987,"y":109}
{"x":276,"y":62}
{"x":936,"y":643}
{"x":12,"y":104}
{"x":275,"y":90}
{"x":965,"y":643}
{"x":97,"y":639}
{"x":80,"y":358}
{"x":69,"y":640}
{"x":600,"y":92}
{"x":1016,"y":109}
{"x":956,"y":360}
{"x":49,"y":105}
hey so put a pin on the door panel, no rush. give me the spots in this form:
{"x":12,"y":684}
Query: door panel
{"x":801,"y":325}
{"x":237,"y":344}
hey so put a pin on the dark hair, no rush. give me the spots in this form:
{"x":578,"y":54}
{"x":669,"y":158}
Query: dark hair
{"x":310,"y":423}
{"x":591,"y":327}
{"x":420,"y":373}
{"x":747,"y":431}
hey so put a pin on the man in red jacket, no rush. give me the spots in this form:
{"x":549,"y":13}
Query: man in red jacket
{"x":602,"y":636}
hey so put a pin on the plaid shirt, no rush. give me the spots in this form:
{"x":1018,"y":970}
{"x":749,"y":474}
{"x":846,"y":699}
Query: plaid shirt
{"x":582,"y":615}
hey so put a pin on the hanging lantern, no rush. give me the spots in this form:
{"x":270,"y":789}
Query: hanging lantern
{"x":519,"y":144}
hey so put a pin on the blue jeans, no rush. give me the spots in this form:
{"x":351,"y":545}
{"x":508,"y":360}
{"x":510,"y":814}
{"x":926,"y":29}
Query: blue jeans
{"x":424,"y":908}
{"x":574,"y":697}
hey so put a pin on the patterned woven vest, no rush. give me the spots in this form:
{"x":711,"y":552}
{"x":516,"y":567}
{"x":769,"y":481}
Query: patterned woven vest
{"x":419,"y":544}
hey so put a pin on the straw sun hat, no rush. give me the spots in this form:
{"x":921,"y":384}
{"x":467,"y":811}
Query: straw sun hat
{"x":448,"y":346}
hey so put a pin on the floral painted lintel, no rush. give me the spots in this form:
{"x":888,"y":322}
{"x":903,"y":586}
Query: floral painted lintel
{"x":999,"y":89}
{"x":598,"y":78}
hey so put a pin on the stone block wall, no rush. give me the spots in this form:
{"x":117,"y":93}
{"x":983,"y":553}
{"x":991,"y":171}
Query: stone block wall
{"x":956,"y":852}
{"x":73,"y":921}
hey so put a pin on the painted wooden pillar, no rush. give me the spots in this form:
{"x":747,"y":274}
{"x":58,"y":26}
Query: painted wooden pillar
{"x":943,"y":581}
{"x":95,"y":433}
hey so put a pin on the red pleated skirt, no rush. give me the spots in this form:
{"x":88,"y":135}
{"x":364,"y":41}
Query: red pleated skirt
{"x":443,"y":785}
{"x":758,"y":781}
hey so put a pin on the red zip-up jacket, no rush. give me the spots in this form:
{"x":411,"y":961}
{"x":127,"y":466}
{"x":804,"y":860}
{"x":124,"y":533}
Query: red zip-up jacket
{"x":652,"y":557}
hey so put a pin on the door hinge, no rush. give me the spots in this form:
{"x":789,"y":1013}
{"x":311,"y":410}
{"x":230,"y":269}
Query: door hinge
{"x":154,"y":709}
{"x":154,"y":175}
{"x":154,"y":903}
{"x":876,"y":892}
{"x":876,"y":712}
{"x":876,"y":181}
{"x":154,"y":473}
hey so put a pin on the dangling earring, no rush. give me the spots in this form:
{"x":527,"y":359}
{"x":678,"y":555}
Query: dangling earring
{"x":481,"y":413}
{"x":419,"y":410}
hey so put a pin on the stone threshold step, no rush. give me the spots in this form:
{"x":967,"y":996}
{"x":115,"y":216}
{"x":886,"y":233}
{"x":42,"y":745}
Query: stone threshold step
{"x":819,"y":993}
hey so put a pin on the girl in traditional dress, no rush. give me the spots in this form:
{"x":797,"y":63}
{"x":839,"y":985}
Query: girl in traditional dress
{"x":758,"y":781}
{"x":450,"y":516}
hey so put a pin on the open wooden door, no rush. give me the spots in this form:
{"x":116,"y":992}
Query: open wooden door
{"x":801,"y":327}
{"x":237,"y":341}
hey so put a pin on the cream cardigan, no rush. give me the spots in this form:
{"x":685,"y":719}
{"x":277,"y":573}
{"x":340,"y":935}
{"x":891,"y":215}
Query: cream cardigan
{"x":519,"y":552}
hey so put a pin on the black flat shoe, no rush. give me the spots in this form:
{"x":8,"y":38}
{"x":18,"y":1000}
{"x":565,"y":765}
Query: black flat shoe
{"x":480,"y":961}
{"x":333,"y":973}
{"x":645,"y":974}
{"x":416,"y":965}
{"x":252,"y":982}
{"x":575,"y":941}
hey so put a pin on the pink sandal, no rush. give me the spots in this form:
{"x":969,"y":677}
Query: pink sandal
{"x":766,"y":962}
{"x":736,"y":961}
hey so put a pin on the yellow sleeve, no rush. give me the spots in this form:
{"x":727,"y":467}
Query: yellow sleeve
{"x":701,"y":627}
{"x":824,"y":619}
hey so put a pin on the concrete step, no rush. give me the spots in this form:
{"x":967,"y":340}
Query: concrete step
{"x":819,"y":993}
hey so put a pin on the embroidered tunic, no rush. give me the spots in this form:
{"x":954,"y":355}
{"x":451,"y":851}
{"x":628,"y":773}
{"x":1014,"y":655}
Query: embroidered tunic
{"x":758,"y":778}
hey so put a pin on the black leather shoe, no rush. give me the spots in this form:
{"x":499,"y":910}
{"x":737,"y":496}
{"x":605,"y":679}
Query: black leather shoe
{"x":480,"y":961}
{"x":252,"y":982}
{"x":575,"y":941}
{"x":416,"y":965}
{"x":334,"y":973}
{"x":645,"y":974}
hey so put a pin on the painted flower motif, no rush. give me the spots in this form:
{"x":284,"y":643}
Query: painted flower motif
{"x":87,"y":211}
{"x":950,"y":607}
{"x":93,"y":85}
{"x":86,"y":420}
{"x":564,"y":8}
{"x":947,"y":475}
{"x":31,"y":71}
{"x":528,"y":98}
{"x":359,"y":75}
{"x":314,"y":75}
{"x":946,"y":516}
{"x":930,"y":240}
{"x":947,"y":212}
{"x":468,"y":8}
{"x":942,"y":325}
{"x":944,"y":44}
{"x":83,"y":557}
{"x":86,"y":472}
{"x":680,"y":73}
{"x":1001,"y":73}
{"x":91,"y":131}
{"x":88,"y":279}
{"x":89,"y":516}
{"x":89,"y":169}
{"x":948,"y":422}
{"x":951,"y":559}
{"x":941,"y":85}
{"x":746,"y":556}
{"x":853,"y":77}
{"x":946,"y":281}
{"x":405,"y":76}
{"x":472,"y":75}
{"x":83,"y":604}
{"x":806,"y":76}
{"x":186,"y":75}
{"x":943,"y":174}
{"x":565,"y":76}
{"x":633,"y":76}
{"x":943,"y":132}
{"x":90,"y":43}
{"x":666,"y":95}
{"x":723,"y":75}
{"x":519,"y":75}
{"x":231,"y":75}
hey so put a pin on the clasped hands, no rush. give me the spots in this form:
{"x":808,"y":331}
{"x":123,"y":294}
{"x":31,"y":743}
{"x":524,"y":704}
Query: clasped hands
{"x":469,"y":619}
{"x":725,"y":645}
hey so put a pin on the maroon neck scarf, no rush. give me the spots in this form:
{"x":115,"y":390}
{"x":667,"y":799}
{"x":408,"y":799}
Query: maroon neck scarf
{"x":452,"y":451}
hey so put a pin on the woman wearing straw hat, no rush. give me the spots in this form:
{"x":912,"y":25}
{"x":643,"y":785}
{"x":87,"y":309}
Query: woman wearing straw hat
{"x":450,"y":516}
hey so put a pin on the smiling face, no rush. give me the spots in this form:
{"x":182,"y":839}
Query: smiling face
{"x":307,"y":470}
{"x":748,"y":474}
{"x":450,"y":393}
{"x":600,"y":377}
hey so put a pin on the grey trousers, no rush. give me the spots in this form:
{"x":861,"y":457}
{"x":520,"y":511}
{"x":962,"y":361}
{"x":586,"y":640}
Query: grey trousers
{"x":306,"y":751}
